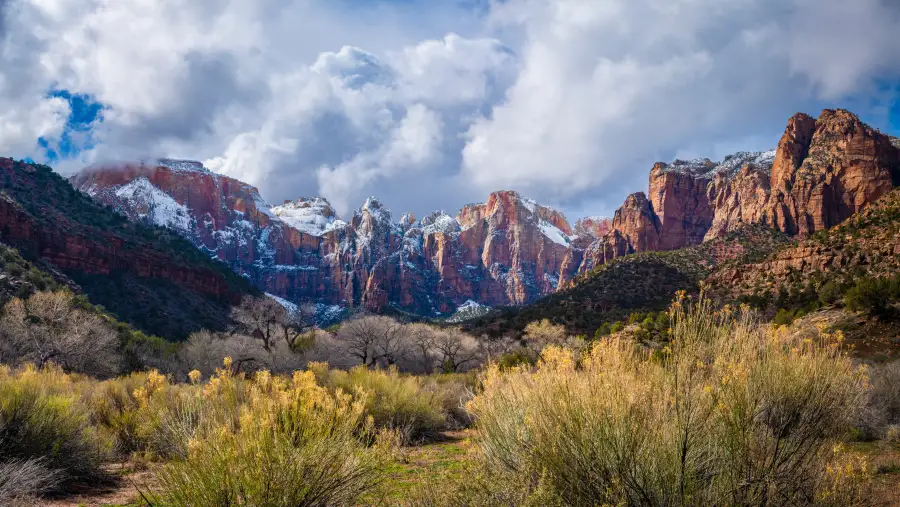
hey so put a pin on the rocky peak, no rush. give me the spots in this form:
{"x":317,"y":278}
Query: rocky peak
{"x":828,"y":169}
{"x":793,"y":148}
{"x":636,"y":222}
{"x":407,"y":220}
{"x":439,"y":222}
{"x":313,"y":216}
{"x":372,"y":215}
{"x":595,"y":226}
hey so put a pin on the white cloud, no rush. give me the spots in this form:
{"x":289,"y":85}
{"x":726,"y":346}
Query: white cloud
{"x":569,"y":101}
{"x":606,"y":88}
{"x":412,"y":146}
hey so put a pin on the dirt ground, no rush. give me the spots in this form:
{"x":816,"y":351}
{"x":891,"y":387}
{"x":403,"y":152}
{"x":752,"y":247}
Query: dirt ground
{"x":122,"y":490}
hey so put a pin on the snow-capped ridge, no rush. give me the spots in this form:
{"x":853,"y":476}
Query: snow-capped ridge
{"x":313,"y":216}
{"x":439,"y":222}
{"x":181,"y":165}
{"x":730,"y":165}
{"x":155,"y":205}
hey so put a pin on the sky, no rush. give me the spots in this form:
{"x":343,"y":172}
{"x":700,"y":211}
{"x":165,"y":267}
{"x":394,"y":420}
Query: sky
{"x":432,"y":104}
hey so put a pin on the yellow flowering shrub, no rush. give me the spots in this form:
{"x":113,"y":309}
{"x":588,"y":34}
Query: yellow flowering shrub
{"x":293,"y":443}
{"x":734,"y":413}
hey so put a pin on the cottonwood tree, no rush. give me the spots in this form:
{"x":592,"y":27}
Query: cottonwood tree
{"x":456,"y":350}
{"x":420,"y":348}
{"x":267,"y":320}
{"x":206,"y":350}
{"x":373,"y":340}
{"x":48,"y":327}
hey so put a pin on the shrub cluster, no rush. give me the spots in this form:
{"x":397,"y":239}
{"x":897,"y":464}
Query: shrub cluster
{"x":45,"y":429}
{"x":734,"y":412}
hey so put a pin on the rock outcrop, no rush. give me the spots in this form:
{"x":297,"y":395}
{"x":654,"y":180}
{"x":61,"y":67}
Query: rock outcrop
{"x":508,"y":250}
{"x":823,"y":171}
{"x":119,"y":264}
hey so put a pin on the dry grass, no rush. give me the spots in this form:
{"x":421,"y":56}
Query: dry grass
{"x":732,"y":412}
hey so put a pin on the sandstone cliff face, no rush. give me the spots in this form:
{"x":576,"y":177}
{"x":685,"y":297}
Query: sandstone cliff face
{"x":681,"y":205}
{"x":507,"y":250}
{"x":827,"y":170}
{"x":118,"y":264}
{"x":823,"y":171}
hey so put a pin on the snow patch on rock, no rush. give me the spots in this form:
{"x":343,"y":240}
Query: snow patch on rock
{"x":554,"y":234}
{"x":310,"y":216}
{"x":290,"y":307}
{"x":155,"y":205}
{"x":182,"y":165}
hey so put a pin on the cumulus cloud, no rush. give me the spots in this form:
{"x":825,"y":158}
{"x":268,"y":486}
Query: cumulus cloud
{"x":433,"y":104}
{"x":606,"y":89}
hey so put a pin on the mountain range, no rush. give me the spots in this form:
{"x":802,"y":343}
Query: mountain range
{"x":508,"y":250}
{"x":169,"y":246}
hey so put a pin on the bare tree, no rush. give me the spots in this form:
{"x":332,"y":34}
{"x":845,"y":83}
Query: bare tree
{"x":205,"y":351}
{"x":373,"y":340}
{"x":47,"y":327}
{"x":268,"y":321}
{"x":420,"y":346}
{"x":456,"y":350}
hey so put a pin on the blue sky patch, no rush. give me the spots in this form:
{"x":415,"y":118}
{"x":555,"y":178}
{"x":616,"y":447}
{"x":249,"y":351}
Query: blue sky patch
{"x":77,"y":135}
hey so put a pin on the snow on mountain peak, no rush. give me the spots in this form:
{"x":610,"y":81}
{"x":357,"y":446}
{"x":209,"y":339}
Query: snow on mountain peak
{"x":439,"y":221}
{"x":375,"y":209}
{"x":313,"y":216}
{"x":730,"y":165}
{"x":181,"y":165}
{"x":154,"y":205}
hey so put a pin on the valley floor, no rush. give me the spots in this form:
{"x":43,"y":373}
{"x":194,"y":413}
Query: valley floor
{"x":448,"y":458}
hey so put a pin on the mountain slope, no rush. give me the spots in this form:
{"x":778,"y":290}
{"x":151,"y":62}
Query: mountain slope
{"x":822,"y":268}
{"x":640,"y":282}
{"x":508,"y":250}
{"x":753,"y":264}
{"x":144,"y":275}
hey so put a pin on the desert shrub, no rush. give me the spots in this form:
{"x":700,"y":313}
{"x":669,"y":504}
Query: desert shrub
{"x":735,"y":413}
{"x":874,"y":295}
{"x":882,"y":411}
{"x":146,"y":414}
{"x":294,"y":443}
{"x":49,"y":328}
{"x":784,"y":317}
{"x":408,"y":404}
{"x":21,"y":481}
{"x":42,"y":417}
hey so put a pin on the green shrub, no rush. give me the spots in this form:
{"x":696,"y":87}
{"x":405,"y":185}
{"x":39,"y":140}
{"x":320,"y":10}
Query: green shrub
{"x":736,"y":413}
{"x":408,"y":404}
{"x":293,"y":444}
{"x":830,"y":292}
{"x":874,"y":295}
{"x":518,"y":357}
{"x":784,"y":317}
{"x":42,"y":418}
